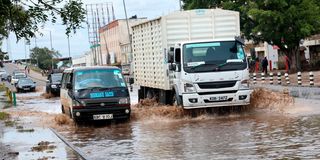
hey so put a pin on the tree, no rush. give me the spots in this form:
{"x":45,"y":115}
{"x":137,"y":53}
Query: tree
{"x":279,"y":22}
{"x":201,"y":4}
{"x":43,"y":57}
{"x":24,"y":17}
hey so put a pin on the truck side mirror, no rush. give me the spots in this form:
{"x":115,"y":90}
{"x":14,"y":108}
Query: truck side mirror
{"x":172,"y":67}
{"x":177,"y":55}
{"x":69,"y":85}
{"x":171,"y":55}
{"x":131,"y":80}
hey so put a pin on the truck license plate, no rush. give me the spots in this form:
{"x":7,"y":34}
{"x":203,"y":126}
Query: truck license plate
{"x":220,"y":98}
{"x":102,"y":116}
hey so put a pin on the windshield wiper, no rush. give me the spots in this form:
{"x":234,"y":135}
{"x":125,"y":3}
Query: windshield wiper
{"x":201,"y":65}
{"x":230,"y":61}
{"x":91,"y":88}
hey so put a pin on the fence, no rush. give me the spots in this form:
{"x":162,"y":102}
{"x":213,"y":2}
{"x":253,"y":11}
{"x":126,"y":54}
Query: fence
{"x":285,"y":79}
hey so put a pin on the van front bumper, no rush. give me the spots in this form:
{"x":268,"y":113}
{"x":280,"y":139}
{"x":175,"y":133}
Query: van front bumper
{"x":118,"y":112}
{"x":207,"y":100}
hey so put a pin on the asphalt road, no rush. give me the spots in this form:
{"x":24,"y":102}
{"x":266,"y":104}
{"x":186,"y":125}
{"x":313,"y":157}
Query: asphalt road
{"x":11,"y":67}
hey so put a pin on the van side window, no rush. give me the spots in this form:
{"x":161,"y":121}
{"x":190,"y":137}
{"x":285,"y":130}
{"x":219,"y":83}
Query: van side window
{"x":64,"y":80}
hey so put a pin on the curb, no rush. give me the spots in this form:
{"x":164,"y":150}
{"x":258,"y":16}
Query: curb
{"x":294,"y":91}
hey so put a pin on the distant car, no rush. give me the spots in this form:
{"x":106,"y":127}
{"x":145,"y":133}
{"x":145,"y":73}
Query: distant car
{"x":4,"y":77}
{"x":17,"y":71}
{"x":15,"y":78}
{"x":25,"y":84}
{"x":53,"y":84}
{"x":2,"y":71}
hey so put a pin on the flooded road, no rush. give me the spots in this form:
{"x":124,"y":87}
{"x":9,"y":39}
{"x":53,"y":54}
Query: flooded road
{"x":255,"y":135}
{"x":274,"y":128}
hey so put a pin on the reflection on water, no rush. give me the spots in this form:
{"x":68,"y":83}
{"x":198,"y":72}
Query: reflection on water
{"x":4,"y":103}
{"x":251,"y":136}
{"x":23,"y":140}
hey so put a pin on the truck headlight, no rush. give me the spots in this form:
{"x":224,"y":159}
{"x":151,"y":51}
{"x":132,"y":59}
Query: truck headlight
{"x":244,"y":84}
{"x":53,"y":86}
{"x":189,"y":88}
{"x":123,"y":101}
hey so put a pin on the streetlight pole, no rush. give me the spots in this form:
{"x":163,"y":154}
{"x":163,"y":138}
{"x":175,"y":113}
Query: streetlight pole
{"x":69,"y":51}
{"x":52,"y":67}
{"x":125,"y":12}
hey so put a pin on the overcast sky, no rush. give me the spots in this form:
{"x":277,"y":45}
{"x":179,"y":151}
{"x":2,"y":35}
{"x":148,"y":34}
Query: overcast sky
{"x":79,"y":41}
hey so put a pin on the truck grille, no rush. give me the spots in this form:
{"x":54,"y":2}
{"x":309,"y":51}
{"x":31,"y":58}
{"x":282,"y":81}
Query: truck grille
{"x":214,"y":85}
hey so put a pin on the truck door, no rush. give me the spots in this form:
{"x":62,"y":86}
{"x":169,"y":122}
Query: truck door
{"x":177,"y":72}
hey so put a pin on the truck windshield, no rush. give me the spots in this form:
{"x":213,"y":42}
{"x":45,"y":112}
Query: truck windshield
{"x":213,"y":56}
{"x":98,"y":78}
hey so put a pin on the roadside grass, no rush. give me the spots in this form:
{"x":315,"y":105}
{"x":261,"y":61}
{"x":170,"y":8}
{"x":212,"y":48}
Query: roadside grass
{"x":2,"y":87}
{"x":4,"y":116}
{"x":36,"y":69}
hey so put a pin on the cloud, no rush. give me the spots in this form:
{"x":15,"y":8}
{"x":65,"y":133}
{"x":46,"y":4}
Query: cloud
{"x":79,"y":42}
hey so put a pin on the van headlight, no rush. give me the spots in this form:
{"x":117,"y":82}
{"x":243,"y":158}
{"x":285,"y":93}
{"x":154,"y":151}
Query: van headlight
{"x":189,"y":88}
{"x":244,"y":84}
{"x":53,"y":86}
{"x":123,"y":101}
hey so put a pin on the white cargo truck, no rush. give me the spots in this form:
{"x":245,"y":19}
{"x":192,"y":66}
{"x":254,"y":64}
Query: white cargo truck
{"x":192,"y":58}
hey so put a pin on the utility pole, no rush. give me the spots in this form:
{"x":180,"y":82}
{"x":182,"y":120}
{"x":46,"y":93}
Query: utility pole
{"x":129,"y":37}
{"x":25,"y":49}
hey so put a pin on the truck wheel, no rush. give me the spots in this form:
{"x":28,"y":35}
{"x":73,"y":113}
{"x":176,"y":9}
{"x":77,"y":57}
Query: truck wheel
{"x":140,"y":95}
{"x":150,"y":94}
{"x":177,"y":100}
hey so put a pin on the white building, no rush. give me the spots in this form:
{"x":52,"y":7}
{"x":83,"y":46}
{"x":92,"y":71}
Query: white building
{"x":113,"y":36}
{"x":83,"y":60}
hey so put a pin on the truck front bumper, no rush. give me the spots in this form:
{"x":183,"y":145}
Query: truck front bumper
{"x":207,"y":100}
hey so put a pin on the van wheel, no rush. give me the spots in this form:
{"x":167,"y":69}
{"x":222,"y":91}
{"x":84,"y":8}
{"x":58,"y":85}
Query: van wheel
{"x":70,"y":114}
{"x":62,"y":110}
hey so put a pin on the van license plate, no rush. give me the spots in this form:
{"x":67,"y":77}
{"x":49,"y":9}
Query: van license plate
{"x":220,"y":98}
{"x":102,"y":116}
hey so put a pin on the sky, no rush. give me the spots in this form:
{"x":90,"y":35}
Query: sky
{"x":79,"y":42}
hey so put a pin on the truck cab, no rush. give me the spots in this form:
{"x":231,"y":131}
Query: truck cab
{"x":210,"y":73}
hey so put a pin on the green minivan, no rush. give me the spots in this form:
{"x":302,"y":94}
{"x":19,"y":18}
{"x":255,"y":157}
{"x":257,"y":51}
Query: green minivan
{"x":94,"y":93}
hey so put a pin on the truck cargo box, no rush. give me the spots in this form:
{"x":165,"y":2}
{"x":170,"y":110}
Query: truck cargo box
{"x":152,"y":39}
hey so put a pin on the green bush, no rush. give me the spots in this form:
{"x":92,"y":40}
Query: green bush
{"x":4,"y":115}
{"x":315,"y":65}
{"x":281,"y":65}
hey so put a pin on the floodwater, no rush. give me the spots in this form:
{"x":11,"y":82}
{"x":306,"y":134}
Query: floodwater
{"x":22,"y":140}
{"x":287,"y":132}
{"x":275,"y":127}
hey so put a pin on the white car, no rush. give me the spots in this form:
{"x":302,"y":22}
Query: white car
{"x":2,"y":71}
{"x":15,"y":78}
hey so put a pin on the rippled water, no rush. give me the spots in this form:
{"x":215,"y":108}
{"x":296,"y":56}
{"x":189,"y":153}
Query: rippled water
{"x":254,"y":135}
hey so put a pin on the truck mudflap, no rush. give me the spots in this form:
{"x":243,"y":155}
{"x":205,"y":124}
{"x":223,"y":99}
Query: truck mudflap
{"x":194,"y":100}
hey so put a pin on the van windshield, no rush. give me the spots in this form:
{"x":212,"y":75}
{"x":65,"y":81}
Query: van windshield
{"x":56,"y":77}
{"x":98,"y":78}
